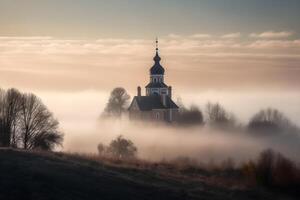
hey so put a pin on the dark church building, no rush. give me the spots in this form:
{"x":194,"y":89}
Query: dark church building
{"x":157,"y":105}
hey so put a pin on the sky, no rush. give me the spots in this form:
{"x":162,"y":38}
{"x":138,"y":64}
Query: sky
{"x":145,"y":19}
{"x":225,"y":44}
{"x":244,"y":54}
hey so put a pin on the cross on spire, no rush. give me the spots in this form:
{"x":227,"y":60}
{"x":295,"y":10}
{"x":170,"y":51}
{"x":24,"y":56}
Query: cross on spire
{"x":156,"y":45}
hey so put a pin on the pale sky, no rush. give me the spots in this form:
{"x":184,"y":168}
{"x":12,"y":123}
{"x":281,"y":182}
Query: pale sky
{"x":145,"y":18}
{"x":78,"y":45}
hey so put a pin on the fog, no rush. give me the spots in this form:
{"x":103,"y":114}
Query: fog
{"x":74,"y":78}
{"x":79,"y":114}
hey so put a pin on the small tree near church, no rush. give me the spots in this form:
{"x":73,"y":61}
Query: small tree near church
{"x":117,"y":103}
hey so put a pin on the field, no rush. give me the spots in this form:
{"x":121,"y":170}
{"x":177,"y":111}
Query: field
{"x":46,"y":175}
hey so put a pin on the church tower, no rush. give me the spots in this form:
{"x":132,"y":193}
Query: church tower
{"x":157,"y":104}
{"x":157,"y":72}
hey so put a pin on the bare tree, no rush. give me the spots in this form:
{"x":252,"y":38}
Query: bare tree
{"x":272,"y":169}
{"x":38,"y":127}
{"x":271,"y":121}
{"x":47,"y":140}
{"x":2,"y":125}
{"x":117,"y":103}
{"x":26,"y":122}
{"x":10,"y":108}
{"x":217,"y":116}
{"x":14,"y":98}
{"x":192,"y":116}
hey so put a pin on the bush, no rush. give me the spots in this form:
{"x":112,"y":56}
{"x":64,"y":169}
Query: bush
{"x":192,"y":116}
{"x":273,"y":170}
{"x":120,"y":148}
{"x":101,"y":149}
{"x":271,"y":121}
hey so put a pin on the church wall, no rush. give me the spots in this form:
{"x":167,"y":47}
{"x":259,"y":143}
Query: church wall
{"x":158,"y":115}
{"x":160,"y":91}
{"x":140,"y":115}
{"x":168,"y":115}
{"x":173,"y":114}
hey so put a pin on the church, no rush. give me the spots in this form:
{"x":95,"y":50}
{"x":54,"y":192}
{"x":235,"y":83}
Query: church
{"x":157,"y":104}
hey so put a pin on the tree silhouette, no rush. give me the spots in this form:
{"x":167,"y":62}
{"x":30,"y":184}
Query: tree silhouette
{"x":2,"y":124}
{"x":122,"y":148}
{"x":271,"y":121}
{"x":117,"y":103}
{"x":217,"y":116}
{"x":192,"y":116}
{"x":38,"y":127}
{"x":10,"y":108}
{"x":26,"y":122}
{"x":101,"y":149}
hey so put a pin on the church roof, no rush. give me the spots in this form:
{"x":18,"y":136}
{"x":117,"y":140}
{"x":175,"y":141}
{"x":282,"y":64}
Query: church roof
{"x":156,"y":85}
{"x":148,"y":103}
{"x":157,"y":69}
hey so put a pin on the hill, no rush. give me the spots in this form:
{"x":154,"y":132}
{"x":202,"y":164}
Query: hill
{"x":46,"y":176}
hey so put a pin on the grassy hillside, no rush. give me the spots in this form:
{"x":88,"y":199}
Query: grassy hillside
{"x":36,"y":175}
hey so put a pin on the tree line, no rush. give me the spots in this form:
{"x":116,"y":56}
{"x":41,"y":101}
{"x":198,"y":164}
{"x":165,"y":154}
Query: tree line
{"x":25,"y":122}
{"x":265,"y":121}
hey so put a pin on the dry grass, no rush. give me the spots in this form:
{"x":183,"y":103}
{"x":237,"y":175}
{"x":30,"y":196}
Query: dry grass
{"x":273,"y":170}
{"x":224,"y":175}
{"x":81,"y":176}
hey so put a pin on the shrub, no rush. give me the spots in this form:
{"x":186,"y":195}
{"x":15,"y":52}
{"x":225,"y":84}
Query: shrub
{"x":271,"y":121}
{"x":101,"y":149}
{"x":273,"y":170}
{"x":192,"y":116}
{"x":120,"y":148}
{"x":228,"y":164}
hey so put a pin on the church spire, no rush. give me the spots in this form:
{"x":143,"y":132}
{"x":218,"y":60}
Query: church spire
{"x":156,"y":45}
{"x":156,"y":58}
{"x":157,"y":69}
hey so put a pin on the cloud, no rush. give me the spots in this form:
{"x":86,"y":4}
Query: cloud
{"x":231,"y":35}
{"x":275,"y":44}
{"x":201,"y":36}
{"x":26,"y":38}
{"x":110,"y":46}
{"x":174,"y":36}
{"x":272,"y":34}
{"x":46,"y":61}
